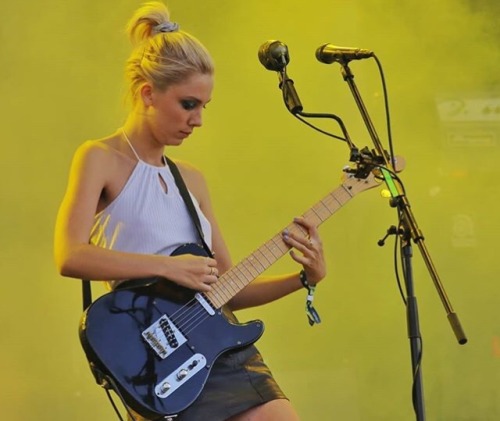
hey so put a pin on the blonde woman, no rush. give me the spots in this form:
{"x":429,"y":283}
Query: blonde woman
{"x":122,"y":215}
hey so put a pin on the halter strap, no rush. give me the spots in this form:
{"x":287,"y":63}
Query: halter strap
{"x":130,"y":144}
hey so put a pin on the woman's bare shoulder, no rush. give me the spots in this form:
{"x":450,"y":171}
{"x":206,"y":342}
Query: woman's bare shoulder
{"x":97,"y":147}
{"x":194,"y":179}
{"x":103,"y":152}
{"x":189,"y":171}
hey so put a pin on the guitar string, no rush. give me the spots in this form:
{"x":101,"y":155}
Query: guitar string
{"x":187,"y":319}
{"x":183,"y":317}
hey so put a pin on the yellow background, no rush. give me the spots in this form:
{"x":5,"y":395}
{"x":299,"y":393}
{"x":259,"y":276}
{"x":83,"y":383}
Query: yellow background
{"x":61,"y":83}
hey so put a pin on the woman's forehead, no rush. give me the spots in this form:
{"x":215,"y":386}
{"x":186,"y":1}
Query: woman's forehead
{"x":197,"y":84}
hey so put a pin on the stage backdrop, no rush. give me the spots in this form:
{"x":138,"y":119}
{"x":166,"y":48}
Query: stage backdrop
{"x":61,"y":83}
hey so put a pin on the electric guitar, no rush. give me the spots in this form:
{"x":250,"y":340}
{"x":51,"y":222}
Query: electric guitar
{"x":155,"y":343}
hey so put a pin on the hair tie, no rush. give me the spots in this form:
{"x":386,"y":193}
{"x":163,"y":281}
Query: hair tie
{"x":166,"y":27}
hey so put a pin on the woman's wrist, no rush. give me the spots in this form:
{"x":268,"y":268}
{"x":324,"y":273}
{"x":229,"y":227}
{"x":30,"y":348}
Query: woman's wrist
{"x":304,"y":280}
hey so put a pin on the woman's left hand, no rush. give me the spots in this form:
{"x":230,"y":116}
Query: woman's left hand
{"x":311,"y":250}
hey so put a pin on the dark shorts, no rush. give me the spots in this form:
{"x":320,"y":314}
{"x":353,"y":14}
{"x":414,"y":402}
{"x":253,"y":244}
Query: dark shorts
{"x":239,"y":380}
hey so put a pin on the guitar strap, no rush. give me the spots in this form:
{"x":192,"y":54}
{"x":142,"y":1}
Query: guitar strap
{"x":86,"y":286}
{"x":189,"y":203}
{"x":86,"y":293}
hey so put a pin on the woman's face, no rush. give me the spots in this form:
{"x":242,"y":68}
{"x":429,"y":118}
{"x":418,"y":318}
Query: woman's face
{"x":175,"y":112}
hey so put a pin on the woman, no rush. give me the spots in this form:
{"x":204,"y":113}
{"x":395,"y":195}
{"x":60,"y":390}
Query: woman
{"x":122,"y":214}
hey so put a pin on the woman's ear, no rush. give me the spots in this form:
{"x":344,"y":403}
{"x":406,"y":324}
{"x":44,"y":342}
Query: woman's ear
{"x":147,"y":94}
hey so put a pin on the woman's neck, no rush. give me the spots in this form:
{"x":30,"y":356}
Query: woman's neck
{"x":138,"y":134}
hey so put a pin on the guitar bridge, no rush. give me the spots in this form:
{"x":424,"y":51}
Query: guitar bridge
{"x":164,"y":337}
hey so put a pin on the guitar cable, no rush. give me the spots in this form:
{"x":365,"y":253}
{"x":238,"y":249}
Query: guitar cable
{"x":108,"y":383}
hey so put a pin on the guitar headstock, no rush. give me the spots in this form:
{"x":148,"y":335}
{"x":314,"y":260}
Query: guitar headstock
{"x":356,"y":181}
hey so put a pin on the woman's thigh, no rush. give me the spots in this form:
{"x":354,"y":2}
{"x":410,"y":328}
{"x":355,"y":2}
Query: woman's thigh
{"x":276,"y":410}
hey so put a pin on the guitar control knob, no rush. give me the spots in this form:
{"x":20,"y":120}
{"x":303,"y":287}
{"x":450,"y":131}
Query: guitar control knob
{"x":165,"y":387}
{"x":181,"y":374}
{"x":192,"y":365}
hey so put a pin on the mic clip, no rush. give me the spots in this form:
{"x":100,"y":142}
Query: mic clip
{"x":365,"y":159}
{"x":290,"y":96}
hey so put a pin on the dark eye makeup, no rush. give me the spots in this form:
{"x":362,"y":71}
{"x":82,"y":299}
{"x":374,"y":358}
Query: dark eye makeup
{"x":189,"y":104}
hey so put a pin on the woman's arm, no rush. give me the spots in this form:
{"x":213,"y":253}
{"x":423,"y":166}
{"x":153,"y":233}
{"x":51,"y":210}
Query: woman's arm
{"x":306,"y":250}
{"x":92,"y":170}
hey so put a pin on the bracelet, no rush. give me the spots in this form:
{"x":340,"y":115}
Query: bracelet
{"x":312,"y":314}
{"x":303,"y":279}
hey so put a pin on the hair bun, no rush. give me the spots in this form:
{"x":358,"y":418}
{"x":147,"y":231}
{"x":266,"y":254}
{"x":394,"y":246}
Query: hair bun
{"x":150,"y":19}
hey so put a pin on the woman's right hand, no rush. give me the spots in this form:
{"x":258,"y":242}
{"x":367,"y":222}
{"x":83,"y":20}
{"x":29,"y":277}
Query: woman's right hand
{"x":194,"y":272}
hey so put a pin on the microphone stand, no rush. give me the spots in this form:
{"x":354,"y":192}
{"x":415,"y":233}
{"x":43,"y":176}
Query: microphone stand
{"x":410,"y":231}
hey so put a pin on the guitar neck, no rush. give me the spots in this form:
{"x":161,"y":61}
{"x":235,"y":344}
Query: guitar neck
{"x":240,"y":275}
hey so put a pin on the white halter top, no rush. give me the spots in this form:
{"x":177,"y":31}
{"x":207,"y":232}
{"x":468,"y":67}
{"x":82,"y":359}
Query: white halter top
{"x":145,"y":218}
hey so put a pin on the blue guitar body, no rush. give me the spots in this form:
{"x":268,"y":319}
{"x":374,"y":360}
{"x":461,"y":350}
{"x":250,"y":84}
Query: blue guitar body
{"x":155,"y":343}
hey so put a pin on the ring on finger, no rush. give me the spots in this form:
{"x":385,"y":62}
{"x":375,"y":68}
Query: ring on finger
{"x":212,"y":271}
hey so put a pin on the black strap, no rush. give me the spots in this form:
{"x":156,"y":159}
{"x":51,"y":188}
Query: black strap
{"x":86,"y":293}
{"x":189,"y":203}
{"x":86,"y":285}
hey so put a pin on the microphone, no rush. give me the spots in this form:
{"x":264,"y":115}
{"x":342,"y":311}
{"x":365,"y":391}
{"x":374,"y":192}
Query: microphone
{"x":273,"y":55}
{"x":329,"y":53}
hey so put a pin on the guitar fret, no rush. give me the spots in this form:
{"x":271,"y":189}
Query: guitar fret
{"x":220,"y":294}
{"x":256,"y":263}
{"x":247,"y":272}
{"x":317,"y":214}
{"x":250,"y":269}
{"x":347,"y":191}
{"x":338,"y":200}
{"x":223,"y":283}
{"x":239,"y":275}
{"x":242,"y":274}
{"x":263,"y":257}
{"x":327,"y":212}
{"x":226,"y":289}
{"x":272,"y":246}
{"x":340,"y":197}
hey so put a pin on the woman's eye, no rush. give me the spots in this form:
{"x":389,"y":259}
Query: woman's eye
{"x":189,"y":104}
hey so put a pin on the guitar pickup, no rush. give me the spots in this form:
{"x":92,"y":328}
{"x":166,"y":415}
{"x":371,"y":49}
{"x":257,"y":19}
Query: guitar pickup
{"x":164,"y":337}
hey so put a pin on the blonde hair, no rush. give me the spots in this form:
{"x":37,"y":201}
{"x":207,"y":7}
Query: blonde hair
{"x":161,"y":58}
